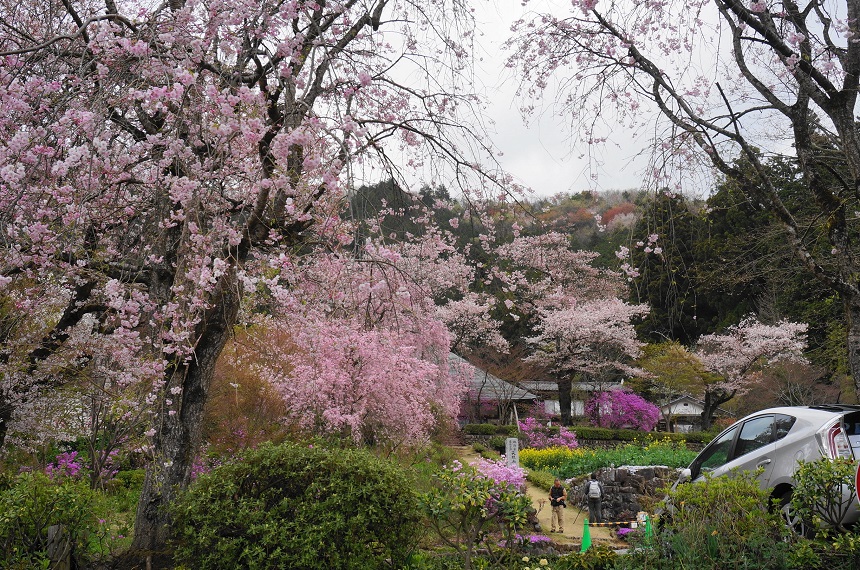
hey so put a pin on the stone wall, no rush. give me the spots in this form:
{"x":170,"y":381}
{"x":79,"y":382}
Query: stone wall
{"x":626,"y":490}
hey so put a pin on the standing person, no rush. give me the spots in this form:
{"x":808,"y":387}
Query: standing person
{"x":557,"y":498}
{"x":593,"y":491}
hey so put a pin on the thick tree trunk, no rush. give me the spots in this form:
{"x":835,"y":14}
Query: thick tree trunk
{"x":6,"y":409}
{"x":852,"y":324}
{"x":177,"y":436}
{"x":713,"y":400}
{"x":707,"y":412}
{"x":564,"y":387}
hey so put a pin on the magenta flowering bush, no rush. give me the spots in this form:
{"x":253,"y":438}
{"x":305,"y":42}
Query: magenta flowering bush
{"x":205,"y":462}
{"x":538,"y":436}
{"x":501,"y":473}
{"x":65,"y":465}
{"x":622,"y":409}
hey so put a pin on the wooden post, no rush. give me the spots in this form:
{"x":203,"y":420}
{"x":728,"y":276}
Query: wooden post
{"x":59,"y":548}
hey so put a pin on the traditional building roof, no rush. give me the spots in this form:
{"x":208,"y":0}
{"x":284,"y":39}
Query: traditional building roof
{"x":486,"y":386}
{"x":552,"y":386}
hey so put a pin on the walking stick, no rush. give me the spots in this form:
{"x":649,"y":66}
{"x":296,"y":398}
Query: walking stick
{"x":576,"y":518}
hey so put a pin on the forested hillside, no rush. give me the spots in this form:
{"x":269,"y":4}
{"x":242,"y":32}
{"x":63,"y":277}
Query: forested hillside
{"x":700,"y":265}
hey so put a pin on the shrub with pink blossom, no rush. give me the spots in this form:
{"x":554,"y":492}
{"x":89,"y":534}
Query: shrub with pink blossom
{"x":539,"y":436}
{"x":477,"y":506}
{"x":622,"y":409}
{"x":65,"y":465}
{"x":498,"y":471}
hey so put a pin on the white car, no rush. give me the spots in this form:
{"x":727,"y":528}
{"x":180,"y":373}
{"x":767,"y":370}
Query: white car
{"x":774,"y":440}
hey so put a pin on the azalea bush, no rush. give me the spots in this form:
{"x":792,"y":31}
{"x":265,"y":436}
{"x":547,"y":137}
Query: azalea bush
{"x":501,"y":472}
{"x":469,"y":511}
{"x":65,"y":465}
{"x":539,"y":436}
{"x":622,"y":409}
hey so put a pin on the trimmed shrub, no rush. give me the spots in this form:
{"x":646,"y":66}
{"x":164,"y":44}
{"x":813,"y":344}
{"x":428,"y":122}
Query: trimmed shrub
{"x":541,"y":479}
{"x":498,"y":442}
{"x":131,"y":479}
{"x":490,"y":429}
{"x":590,"y":432}
{"x":293,"y":506}
{"x":480,"y":429}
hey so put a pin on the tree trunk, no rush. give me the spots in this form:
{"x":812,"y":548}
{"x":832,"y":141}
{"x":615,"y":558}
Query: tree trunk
{"x":668,"y":418}
{"x":713,"y":400}
{"x":707,"y":412}
{"x":852,"y":324}
{"x":6,"y":410}
{"x":564,"y":388}
{"x":177,"y":436}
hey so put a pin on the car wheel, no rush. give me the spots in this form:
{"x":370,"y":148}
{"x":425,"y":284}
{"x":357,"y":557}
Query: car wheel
{"x":792,"y":519}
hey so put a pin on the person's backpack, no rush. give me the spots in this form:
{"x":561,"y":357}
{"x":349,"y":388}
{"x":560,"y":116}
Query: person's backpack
{"x":594,"y":490}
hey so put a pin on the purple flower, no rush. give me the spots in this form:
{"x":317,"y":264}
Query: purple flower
{"x":64,"y":465}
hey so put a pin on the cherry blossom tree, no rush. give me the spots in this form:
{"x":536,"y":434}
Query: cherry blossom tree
{"x":365,"y":385}
{"x":366,"y":355}
{"x":593,"y":338}
{"x":724,"y":86}
{"x":543,"y":272}
{"x":153,"y":156}
{"x":738,"y":355}
{"x":470,"y":322}
{"x":579,"y":324}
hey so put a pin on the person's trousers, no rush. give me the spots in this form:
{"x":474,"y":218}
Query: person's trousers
{"x":595,"y":511}
{"x":558,"y":516}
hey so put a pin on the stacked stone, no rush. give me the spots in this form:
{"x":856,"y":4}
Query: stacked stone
{"x":628,"y":490}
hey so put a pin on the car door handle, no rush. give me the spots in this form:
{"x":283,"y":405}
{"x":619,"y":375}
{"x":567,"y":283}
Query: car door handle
{"x":762,"y":463}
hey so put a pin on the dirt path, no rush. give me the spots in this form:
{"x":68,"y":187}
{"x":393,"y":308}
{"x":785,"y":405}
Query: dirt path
{"x":574,"y":518}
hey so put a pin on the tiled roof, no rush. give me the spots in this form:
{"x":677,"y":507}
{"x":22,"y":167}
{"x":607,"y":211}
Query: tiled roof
{"x":488,"y":386}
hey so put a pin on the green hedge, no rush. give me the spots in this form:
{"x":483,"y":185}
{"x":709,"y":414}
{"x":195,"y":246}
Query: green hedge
{"x":594,"y":433}
{"x":541,"y":479}
{"x":490,"y":429}
{"x":590,"y":432}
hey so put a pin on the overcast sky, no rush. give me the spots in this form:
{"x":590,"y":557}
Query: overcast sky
{"x":541,"y":154}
